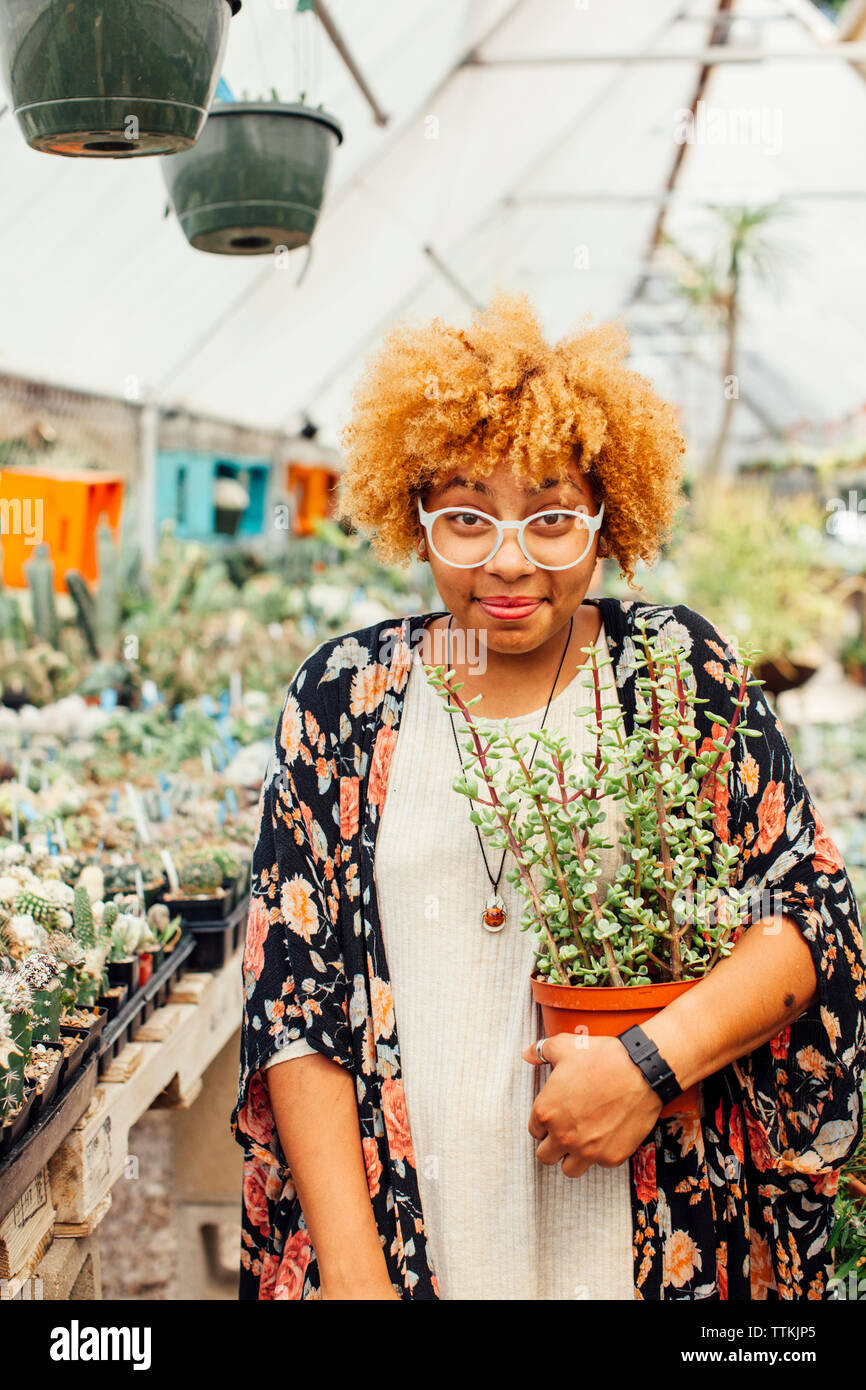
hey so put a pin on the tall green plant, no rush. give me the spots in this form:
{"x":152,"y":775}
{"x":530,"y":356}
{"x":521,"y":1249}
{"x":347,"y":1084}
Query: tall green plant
{"x":671,"y":908}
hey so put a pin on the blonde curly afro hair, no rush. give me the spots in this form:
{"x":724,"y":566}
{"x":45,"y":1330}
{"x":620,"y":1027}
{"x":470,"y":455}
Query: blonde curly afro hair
{"x":435,"y":398}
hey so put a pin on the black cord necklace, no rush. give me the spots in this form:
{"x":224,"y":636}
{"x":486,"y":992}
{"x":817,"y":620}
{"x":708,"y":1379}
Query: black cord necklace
{"x":493,"y":916}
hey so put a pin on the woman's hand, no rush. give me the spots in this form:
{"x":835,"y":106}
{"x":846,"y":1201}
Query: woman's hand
{"x":596,"y":1106}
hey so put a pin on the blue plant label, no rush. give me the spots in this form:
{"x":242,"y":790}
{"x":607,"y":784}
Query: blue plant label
{"x":164,"y":783}
{"x":164,"y":807}
{"x":149,"y":694}
{"x":221,"y":813}
{"x":112,"y":803}
{"x":232,"y":801}
{"x":27,"y":810}
{"x":108,"y":698}
{"x":208,"y":704}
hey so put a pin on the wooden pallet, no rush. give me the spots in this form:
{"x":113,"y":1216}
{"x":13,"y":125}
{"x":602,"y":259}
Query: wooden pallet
{"x":25,"y":1233}
{"x":171,"y":1052}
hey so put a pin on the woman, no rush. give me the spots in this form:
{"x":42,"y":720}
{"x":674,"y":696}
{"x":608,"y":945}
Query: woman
{"x":403,"y":1135}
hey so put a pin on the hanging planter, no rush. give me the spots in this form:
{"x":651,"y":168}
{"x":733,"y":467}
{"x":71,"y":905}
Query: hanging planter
{"x":113,"y":78}
{"x":256,"y":179}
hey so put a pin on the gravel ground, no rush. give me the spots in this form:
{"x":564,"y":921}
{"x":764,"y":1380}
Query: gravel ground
{"x":137,"y":1245}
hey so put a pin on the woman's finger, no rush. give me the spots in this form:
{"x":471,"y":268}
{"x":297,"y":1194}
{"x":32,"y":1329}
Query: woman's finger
{"x":574,"y":1167}
{"x":548,"y":1151}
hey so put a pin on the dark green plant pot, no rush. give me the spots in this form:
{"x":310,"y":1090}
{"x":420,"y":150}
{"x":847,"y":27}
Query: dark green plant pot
{"x":113,"y":78}
{"x":256,"y":179}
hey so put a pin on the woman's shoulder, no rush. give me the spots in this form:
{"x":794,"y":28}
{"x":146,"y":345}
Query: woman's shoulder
{"x":665,"y":617}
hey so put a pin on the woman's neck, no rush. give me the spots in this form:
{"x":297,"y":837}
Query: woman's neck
{"x":512,"y":685}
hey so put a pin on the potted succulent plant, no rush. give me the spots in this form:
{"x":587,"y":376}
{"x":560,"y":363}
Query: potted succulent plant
{"x":124,"y":964}
{"x":42,"y":976}
{"x":232,"y":870}
{"x":256,"y":179}
{"x":166,"y":929}
{"x":17,"y":1003}
{"x":14,"y":1108}
{"x":202,"y":897}
{"x":607,"y":960}
{"x":112,"y":78}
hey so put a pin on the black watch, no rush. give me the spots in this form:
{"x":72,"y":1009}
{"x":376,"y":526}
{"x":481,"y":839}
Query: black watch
{"x":645,"y":1055}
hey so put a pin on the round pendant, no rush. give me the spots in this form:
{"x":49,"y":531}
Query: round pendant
{"x":493,"y":916}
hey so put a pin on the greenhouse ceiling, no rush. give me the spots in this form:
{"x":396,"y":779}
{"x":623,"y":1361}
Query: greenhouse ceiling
{"x":534,"y":144}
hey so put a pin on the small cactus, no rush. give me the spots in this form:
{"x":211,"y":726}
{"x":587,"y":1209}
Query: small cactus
{"x":40,"y":908}
{"x":110,"y":915}
{"x":200,"y":876}
{"x":93,"y":879}
{"x":40,"y":577}
{"x":82,"y":913}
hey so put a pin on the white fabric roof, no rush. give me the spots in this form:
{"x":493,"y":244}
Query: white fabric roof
{"x":99,"y":291}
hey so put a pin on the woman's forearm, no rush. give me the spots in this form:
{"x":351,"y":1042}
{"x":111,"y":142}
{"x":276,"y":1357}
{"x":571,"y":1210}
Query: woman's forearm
{"x":767,"y":981}
{"x":313,"y":1100}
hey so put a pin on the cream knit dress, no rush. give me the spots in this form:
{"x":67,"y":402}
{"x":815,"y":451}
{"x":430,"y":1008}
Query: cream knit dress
{"x":500,"y":1225}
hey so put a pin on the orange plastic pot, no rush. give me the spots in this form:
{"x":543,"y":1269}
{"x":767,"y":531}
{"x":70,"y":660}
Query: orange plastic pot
{"x":602,"y":1012}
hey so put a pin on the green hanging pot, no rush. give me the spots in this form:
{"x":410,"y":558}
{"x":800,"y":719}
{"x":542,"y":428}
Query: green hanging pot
{"x":256,"y":180}
{"x":113,"y":78}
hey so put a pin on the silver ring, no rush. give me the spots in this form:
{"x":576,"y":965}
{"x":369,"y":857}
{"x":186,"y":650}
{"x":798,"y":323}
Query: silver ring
{"x":539,"y":1051}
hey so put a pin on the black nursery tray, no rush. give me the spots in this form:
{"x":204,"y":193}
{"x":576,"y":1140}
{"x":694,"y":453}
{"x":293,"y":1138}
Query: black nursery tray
{"x":94,"y":1031}
{"x":195,"y":910}
{"x":32,"y":1151}
{"x":215,"y":941}
{"x":140,"y":1006}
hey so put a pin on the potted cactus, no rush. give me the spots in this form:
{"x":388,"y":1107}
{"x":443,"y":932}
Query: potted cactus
{"x":112,"y":78}
{"x":42,"y":976}
{"x":124,"y":965}
{"x":202,"y":897}
{"x":232,"y":870}
{"x":607,"y":960}
{"x":14,"y":1108}
{"x":17,"y":1002}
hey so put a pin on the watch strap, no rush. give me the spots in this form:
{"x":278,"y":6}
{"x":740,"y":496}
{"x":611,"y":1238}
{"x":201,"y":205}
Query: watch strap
{"x":646,"y":1056}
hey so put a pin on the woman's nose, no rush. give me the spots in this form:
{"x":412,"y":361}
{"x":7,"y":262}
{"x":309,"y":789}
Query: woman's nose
{"x":509,"y":560}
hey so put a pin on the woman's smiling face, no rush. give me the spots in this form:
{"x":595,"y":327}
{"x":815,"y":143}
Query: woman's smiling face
{"x":552,"y":596}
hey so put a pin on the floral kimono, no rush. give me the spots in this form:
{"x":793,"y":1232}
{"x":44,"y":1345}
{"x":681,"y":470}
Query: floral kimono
{"x":737,"y":1204}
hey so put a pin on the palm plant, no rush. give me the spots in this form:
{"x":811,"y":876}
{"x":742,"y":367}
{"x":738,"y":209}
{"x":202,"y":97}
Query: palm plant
{"x":714,"y":286}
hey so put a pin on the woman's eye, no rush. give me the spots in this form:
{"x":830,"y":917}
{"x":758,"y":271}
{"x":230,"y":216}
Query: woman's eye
{"x":470,"y":519}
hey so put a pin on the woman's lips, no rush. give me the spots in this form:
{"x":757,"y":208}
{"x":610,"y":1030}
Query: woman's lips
{"x":509,"y":608}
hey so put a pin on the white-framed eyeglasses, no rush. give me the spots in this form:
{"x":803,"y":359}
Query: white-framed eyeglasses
{"x":554,"y":539}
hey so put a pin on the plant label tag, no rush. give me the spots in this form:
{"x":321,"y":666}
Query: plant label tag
{"x":236,"y":691}
{"x":139,"y":884}
{"x":221,"y":813}
{"x":231,"y":801}
{"x":171,"y":870}
{"x":207,"y":761}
